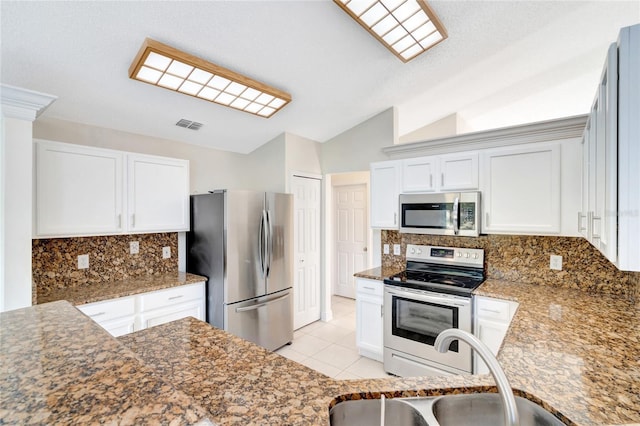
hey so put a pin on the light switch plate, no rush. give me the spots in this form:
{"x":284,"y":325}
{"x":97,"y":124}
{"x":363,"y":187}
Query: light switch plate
{"x":134,"y":247}
{"x":166,"y":252}
{"x":385,"y":249}
{"x":83,"y":261}
{"x":555,"y":262}
{"x":396,"y":249}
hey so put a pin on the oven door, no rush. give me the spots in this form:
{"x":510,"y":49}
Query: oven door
{"x":414,"y":318}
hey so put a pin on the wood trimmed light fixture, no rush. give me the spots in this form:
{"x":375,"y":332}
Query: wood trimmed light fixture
{"x":167,"y":67}
{"x":406,"y":27}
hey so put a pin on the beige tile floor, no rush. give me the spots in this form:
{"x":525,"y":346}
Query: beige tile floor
{"x":330,"y":347}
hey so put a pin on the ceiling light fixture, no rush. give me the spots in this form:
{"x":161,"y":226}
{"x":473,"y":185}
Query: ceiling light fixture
{"x":406,"y":27}
{"x":167,"y":67}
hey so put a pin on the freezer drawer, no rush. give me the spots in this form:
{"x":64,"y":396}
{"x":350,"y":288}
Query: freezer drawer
{"x":266,"y":321}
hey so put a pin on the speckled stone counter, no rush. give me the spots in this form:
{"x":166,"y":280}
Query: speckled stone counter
{"x":576,"y":354}
{"x":96,"y":292}
{"x":59,"y":367}
{"x":379,"y":273}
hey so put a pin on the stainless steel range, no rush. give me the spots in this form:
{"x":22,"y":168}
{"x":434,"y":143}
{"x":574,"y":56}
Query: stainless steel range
{"x":431,"y":295}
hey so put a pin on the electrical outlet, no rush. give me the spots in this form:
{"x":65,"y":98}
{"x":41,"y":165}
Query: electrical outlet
{"x":83,"y":261}
{"x":134,"y":247}
{"x":166,"y":252}
{"x":385,"y":249}
{"x":396,"y":249}
{"x":555,"y":262}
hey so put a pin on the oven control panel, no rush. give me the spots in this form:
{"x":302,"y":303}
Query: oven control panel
{"x":452,"y":255}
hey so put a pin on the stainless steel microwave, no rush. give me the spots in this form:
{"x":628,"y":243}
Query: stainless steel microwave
{"x":450,"y":213}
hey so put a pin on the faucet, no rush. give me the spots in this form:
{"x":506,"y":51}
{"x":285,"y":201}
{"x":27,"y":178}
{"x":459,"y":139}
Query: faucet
{"x":442,"y":343}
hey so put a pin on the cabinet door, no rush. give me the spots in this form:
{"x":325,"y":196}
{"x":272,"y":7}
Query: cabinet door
{"x":369,"y":327}
{"x":491,"y":333}
{"x":583,"y":214}
{"x":158,"y":194}
{"x":78,"y":190}
{"x":194,"y":308}
{"x":459,"y":171}
{"x":117,"y":316}
{"x":521,"y":190}
{"x":385,"y":188}
{"x":418,"y":174}
{"x":603,"y":221}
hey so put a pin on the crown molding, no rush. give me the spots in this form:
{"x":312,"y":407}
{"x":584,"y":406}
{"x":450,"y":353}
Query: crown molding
{"x":542,"y":131}
{"x":22,"y":103}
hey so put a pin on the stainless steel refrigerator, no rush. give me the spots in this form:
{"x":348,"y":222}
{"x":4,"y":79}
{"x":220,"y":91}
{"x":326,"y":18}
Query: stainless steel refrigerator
{"x":242,"y":241}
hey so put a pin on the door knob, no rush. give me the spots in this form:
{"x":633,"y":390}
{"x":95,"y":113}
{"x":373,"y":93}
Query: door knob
{"x":364,"y":249}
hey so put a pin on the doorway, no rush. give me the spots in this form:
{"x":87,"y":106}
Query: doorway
{"x":351,"y":236}
{"x":306,"y":257}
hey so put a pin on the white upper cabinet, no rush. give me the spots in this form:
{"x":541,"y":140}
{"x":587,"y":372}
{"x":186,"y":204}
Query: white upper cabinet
{"x":521,"y":189}
{"x":158,"y":194}
{"x":386,"y":183}
{"x":458,"y":171}
{"x":81,"y":191}
{"x":419,"y":174}
{"x":440,"y":173}
{"x":78,"y":190}
{"x":609,"y":217}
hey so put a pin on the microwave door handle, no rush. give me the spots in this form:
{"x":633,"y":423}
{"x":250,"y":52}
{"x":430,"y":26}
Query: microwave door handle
{"x":455,"y":217}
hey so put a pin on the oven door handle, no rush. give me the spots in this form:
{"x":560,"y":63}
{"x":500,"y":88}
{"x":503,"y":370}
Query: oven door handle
{"x":455,"y":217}
{"x":442,"y":300}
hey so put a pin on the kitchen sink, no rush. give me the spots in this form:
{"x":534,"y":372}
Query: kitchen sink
{"x":477,"y":409}
{"x":397,"y":412}
{"x":486,"y":409}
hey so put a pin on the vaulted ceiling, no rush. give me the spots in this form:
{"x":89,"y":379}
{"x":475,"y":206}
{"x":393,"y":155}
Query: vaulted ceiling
{"x":504,"y":62}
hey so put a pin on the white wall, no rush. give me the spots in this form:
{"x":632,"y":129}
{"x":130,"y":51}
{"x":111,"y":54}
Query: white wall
{"x":17,"y":158}
{"x":355,"y":148}
{"x":302,"y":155}
{"x":209,"y":168}
{"x":265,"y":167}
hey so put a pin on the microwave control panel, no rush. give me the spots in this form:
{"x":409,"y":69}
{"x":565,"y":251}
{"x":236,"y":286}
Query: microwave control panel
{"x":468,"y":216}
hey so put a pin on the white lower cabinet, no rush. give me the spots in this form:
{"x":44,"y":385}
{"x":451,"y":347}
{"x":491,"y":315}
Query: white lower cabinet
{"x":492,"y":319}
{"x":132,"y":313}
{"x":162,"y":306}
{"x":117,"y":316}
{"x":369,"y":316}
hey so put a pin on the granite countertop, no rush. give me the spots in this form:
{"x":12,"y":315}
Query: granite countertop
{"x":577,"y":354}
{"x":96,"y":292}
{"x":379,"y":273}
{"x":59,"y":367}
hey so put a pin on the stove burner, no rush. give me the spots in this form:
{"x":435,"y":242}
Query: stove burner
{"x":452,"y":280}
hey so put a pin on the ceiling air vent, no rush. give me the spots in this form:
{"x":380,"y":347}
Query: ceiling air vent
{"x":188,"y":124}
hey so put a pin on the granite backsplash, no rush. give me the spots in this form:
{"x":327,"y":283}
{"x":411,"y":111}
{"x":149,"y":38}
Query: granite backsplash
{"x":55,"y":261}
{"x":524,"y":258}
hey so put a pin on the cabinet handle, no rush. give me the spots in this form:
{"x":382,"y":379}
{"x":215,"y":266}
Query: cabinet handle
{"x":441,"y":179}
{"x":176,"y":297}
{"x":369,"y":288}
{"x":97,"y":315}
{"x":395,"y":218}
{"x":133,"y":220}
{"x":120,"y":221}
{"x":493,"y":311}
{"x":580,"y":227}
{"x":593,"y":222}
{"x":381,"y":310}
{"x":431,"y":180}
{"x":486,"y":219}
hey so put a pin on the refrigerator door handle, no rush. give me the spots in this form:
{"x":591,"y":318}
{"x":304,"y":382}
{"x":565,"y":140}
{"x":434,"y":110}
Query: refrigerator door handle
{"x":260,"y":305}
{"x":269,"y":242}
{"x":262,"y":244}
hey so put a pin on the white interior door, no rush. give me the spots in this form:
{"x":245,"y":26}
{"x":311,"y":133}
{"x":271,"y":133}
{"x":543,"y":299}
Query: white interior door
{"x":351,"y":225}
{"x":306,"y":218}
